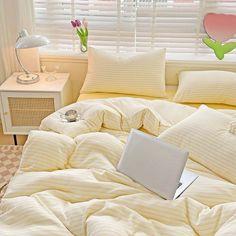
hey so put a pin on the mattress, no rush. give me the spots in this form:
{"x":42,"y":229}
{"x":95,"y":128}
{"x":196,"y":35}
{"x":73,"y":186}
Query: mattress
{"x":170,"y":91}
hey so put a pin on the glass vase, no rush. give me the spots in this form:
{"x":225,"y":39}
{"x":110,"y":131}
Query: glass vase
{"x":83,"y":44}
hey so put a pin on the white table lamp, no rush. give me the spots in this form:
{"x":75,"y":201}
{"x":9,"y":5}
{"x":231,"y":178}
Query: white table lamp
{"x":28,"y":41}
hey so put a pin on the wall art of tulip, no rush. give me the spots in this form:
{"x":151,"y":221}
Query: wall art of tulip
{"x":220,"y":28}
{"x":82,"y":31}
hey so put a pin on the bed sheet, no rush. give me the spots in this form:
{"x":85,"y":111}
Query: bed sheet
{"x":170,"y":93}
{"x":67,"y":183}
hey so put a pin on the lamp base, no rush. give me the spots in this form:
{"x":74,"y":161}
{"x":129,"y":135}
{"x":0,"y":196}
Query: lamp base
{"x":27,"y":78}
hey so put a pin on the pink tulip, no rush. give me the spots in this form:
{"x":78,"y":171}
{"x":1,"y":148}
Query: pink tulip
{"x":78,"y":23}
{"x":220,"y":27}
{"x":73,"y":24}
{"x":85,"y":23}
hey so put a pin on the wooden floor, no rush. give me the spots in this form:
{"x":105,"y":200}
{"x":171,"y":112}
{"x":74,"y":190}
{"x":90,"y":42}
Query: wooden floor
{"x":8,"y":139}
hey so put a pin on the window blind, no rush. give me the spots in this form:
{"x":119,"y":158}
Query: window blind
{"x":130,"y":25}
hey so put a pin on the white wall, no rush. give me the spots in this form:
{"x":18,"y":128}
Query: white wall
{"x":77,"y":67}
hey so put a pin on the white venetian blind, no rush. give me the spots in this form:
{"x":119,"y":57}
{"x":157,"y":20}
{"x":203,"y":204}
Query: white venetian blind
{"x":129,"y":25}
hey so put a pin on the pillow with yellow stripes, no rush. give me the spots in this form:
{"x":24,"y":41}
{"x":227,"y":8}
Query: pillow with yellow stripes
{"x":207,"y":87}
{"x":127,"y":73}
{"x":41,"y":155}
{"x":209,"y":137}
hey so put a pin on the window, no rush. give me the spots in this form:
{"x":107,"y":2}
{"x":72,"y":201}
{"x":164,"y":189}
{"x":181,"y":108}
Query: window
{"x":130,"y":25}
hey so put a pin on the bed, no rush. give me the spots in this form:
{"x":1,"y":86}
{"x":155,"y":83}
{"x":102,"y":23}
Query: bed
{"x":67,"y":182}
{"x":170,"y":93}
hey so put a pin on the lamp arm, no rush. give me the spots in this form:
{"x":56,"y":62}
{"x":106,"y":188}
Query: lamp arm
{"x":18,"y":59}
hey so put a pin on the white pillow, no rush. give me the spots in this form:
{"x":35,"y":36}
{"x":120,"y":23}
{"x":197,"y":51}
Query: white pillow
{"x":46,"y":151}
{"x":207,"y":87}
{"x":209,"y":137}
{"x":129,"y":73}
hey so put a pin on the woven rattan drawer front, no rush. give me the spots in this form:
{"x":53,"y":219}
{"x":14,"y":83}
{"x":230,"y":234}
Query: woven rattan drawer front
{"x":29,"y":111}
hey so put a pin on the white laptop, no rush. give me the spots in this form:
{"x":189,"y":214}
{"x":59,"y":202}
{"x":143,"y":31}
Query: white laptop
{"x":156,"y":165}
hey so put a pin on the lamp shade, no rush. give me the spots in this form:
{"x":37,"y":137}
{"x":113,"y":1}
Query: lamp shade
{"x":30,"y":41}
{"x":25,"y":40}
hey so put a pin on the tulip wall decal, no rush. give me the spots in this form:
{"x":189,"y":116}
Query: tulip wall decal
{"x":220,"y":28}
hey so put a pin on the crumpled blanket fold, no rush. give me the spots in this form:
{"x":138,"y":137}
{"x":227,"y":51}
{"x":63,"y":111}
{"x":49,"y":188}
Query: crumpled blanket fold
{"x":67,"y":183}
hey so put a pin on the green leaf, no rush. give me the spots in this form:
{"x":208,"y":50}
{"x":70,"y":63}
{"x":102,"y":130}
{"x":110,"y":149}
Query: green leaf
{"x":228,"y":47}
{"x":78,"y":33}
{"x":84,"y":40}
{"x":219,"y":49}
{"x":86,"y":32}
{"x":82,"y":31}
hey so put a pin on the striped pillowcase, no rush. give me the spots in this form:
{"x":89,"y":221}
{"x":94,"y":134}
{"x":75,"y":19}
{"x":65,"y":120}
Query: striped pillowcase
{"x":127,"y":73}
{"x":207,"y":87}
{"x":207,"y":135}
{"x":41,"y":155}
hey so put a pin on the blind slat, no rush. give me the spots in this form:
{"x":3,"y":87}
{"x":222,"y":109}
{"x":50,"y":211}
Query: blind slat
{"x":130,"y":25}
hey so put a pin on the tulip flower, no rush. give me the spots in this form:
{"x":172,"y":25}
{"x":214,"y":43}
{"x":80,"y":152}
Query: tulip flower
{"x":73,"y":24}
{"x":220,"y":28}
{"x":82,"y":32}
{"x":78,"y":23}
{"x":85,"y":23}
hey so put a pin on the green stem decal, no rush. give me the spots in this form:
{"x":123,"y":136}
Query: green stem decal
{"x":219,"y":49}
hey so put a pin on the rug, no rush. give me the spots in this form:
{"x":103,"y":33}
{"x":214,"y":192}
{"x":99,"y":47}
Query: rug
{"x":9,"y":162}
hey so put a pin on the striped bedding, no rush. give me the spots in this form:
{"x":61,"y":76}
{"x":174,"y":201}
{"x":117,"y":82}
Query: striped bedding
{"x":67,"y":183}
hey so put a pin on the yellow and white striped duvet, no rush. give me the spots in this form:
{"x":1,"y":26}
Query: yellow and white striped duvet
{"x":67,"y":183}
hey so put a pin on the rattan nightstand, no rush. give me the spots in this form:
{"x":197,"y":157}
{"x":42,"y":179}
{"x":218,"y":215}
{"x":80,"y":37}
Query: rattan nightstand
{"x":24,"y":106}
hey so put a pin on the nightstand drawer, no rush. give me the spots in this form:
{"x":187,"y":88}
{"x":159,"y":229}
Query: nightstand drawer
{"x":23,"y":112}
{"x":29,"y":111}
